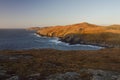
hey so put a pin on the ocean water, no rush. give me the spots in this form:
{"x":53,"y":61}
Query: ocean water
{"x":20,"y":39}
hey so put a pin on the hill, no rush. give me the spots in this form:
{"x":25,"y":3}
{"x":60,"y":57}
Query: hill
{"x":85,"y":33}
{"x":60,"y":31}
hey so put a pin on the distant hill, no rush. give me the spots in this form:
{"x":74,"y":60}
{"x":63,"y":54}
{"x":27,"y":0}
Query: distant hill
{"x":33,"y":28}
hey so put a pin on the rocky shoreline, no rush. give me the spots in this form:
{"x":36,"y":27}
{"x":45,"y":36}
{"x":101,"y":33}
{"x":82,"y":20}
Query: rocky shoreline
{"x":86,"y":43}
{"x":72,"y":42}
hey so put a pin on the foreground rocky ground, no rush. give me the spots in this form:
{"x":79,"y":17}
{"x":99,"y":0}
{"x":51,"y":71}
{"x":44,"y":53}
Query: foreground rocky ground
{"x":47,"y":64}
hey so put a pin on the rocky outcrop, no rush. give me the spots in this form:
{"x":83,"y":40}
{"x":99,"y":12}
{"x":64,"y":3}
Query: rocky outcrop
{"x":13,"y":78}
{"x":34,"y":76}
{"x":86,"y":74}
{"x":65,"y":76}
{"x":83,"y":74}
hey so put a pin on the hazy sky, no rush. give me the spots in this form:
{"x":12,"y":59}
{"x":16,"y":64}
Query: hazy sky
{"x":25,"y":13}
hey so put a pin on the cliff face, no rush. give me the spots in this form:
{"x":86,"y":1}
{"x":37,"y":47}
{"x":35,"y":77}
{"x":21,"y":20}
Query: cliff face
{"x":85,"y":33}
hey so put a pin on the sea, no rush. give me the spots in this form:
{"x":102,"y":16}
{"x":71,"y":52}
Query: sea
{"x":22,"y":39}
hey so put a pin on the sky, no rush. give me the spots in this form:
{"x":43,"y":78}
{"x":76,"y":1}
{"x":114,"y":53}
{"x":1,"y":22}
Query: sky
{"x":29,"y":13}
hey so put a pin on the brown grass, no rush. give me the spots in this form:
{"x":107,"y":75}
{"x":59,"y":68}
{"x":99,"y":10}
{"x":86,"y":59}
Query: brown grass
{"x":49,"y":61}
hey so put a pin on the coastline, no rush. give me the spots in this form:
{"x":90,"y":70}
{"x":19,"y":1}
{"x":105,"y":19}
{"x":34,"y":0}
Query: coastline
{"x":88,"y":43}
{"x":84,"y":33}
{"x":82,"y":43}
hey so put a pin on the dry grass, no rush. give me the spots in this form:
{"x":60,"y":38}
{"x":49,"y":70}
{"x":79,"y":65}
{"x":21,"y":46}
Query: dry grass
{"x":49,"y":61}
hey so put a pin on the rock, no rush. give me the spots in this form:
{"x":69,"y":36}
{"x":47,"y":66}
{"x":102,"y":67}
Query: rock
{"x":13,"y":78}
{"x":34,"y":76}
{"x":102,"y":75}
{"x":72,"y":38}
{"x":2,"y":72}
{"x":118,"y":77}
{"x":65,"y":76}
{"x":86,"y":74}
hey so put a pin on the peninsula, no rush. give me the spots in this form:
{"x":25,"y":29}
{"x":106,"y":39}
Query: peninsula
{"x":84,"y":33}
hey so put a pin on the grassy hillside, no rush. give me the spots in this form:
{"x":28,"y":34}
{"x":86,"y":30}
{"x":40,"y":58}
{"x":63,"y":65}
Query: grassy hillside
{"x":61,"y":31}
{"x":85,"y":33}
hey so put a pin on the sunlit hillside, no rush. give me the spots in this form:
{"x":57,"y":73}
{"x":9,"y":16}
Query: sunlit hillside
{"x":85,"y":33}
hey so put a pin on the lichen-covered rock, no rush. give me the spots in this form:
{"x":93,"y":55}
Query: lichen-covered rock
{"x":34,"y":76}
{"x":13,"y":78}
{"x":102,"y":75}
{"x":65,"y":76}
{"x":86,"y":74}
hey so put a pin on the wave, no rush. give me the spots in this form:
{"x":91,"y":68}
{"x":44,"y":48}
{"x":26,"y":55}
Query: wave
{"x":36,"y":35}
{"x":95,"y":46}
{"x":56,"y":41}
{"x":85,"y":45}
